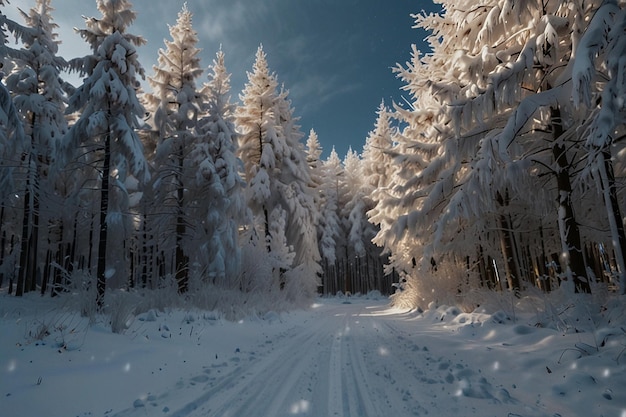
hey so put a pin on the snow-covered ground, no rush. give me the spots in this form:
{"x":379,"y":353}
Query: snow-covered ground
{"x":342,"y":357}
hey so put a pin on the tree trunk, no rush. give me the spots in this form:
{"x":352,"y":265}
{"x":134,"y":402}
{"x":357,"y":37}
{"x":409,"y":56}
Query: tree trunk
{"x":609,"y":190}
{"x":182,"y":269}
{"x":570,"y":234}
{"x":101,"y":272}
{"x":24,"y":242}
{"x":3,"y":241}
{"x":46,"y":270}
{"x":90,"y":254}
{"x":71,"y":258}
{"x":506,"y":244}
{"x":144,"y":252}
{"x":34,"y":237}
{"x":348,"y":278}
{"x":58,"y":274}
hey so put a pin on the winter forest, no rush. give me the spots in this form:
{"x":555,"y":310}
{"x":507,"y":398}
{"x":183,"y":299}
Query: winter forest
{"x":503,"y":172}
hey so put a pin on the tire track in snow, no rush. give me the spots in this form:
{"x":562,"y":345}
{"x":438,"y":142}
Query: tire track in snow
{"x":341,"y":363}
{"x":266,"y":386}
{"x":357,"y":343}
{"x":279,"y":380}
{"x":335,"y":400}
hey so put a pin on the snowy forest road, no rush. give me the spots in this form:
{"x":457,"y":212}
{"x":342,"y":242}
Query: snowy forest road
{"x":353,"y":359}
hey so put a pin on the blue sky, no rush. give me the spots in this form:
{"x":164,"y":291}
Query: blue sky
{"x":334,"y":56}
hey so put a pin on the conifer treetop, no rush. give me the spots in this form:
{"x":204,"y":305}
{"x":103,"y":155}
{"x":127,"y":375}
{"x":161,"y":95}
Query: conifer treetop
{"x":117,"y":16}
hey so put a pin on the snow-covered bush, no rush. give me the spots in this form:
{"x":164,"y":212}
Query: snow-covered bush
{"x":449,"y":283}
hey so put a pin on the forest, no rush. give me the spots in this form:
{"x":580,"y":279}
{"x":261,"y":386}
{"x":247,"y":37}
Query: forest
{"x":502,"y":173}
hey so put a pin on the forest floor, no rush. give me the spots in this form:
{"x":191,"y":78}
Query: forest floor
{"x":343,"y":357}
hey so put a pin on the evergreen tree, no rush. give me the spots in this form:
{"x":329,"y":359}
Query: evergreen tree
{"x":258,"y":139}
{"x":333,"y":176}
{"x":491,"y":119}
{"x":316,"y":171}
{"x":223,"y":205}
{"x":294,"y":185}
{"x":313,"y":159}
{"x":12,"y":140}
{"x":599,"y":87}
{"x":176,"y":107}
{"x":379,"y":166}
{"x":109,"y":115}
{"x":377,"y":157}
{"x":278,"y":178}
{"x":39,"y":95}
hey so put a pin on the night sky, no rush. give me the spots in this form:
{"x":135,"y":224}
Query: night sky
{"x":334,"y":56}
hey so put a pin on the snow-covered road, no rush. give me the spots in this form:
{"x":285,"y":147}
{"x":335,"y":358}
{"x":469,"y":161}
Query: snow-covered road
{"x":349,"y":359}
{"x":342,"y":358}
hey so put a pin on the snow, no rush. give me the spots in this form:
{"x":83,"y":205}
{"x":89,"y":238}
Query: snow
{"x":344,"y":356}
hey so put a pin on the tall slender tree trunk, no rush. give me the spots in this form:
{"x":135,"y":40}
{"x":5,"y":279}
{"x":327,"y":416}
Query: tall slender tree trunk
{"x":265,"y":211}
{"x":609,"y":191}
{"x":34,"y":237}
{"x":24,"y":242}
{"x":90,"y":253}
{"x":58,"y":273}
{"x":570,"y":234}
{"x":71,"y":258}
{"x":3,"y":241}
{"x":101,"y":272}
{"x":545,"y":277}
{"x":46,"y":270}
{"x":144,"y":251}
{"x":507,"y":246}
{"x":182,"y":269}
{"x":31,"y":282}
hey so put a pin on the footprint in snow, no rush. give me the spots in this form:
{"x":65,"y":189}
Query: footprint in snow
{"x":199,"y":379}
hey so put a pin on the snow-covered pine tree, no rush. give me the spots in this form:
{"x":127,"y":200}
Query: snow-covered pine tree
{"x":316,"y":172}
{"x":357,"y":229}
{"x":599,"y":87}
{"x":379,"y":167}
{"x":277,"y":176}
{"x":330,"y":224}
{"x":313,"y":158}
{"x":12,"y":143}
{"x":36,"y":85}
{"x":222,"y":205}
{"x":377,"y":152}
{"x":175,"y":105}
{"x":491,"y":116}
{"x":110,"y":113}
{"x":294,"y":186}
{"x":257,"y":127}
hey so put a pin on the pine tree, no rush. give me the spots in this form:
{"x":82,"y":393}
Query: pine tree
{"x":313,"y":159}
{"x":223,"y":205}
{"x":176,"y":107}
{"x":278,"y":178}
{"x":333,"y":177}
{"x":379,"y":166}
{"x":39,"y":95}
{"x":294,"y":186}
{"x":258,"y":134}
{"x":377,"y":157}
{"x":12,"y":143}
{"x":492,"y":118}
{"x":316,"y":172}
{"x":598,"y":76}
{"x":109,"y":114}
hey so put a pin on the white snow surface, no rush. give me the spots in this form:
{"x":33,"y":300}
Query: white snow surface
{"x":342,"y":357}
